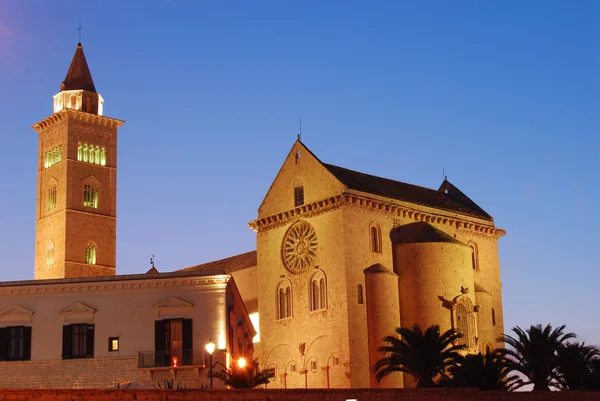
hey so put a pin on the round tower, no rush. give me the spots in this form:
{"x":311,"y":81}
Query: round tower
{"x":383,"y":317}
{"x":436,"y":280}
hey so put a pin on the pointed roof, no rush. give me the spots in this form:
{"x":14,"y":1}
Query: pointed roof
{"x":452,"y":199}
{"x":78,"y":76}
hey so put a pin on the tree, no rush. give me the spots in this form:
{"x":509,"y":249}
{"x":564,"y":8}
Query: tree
{"x":426,"y":356}
{"x":484,"y":372}
{"x":534,"y":355}
{"x":249,"y":376}
{"x":576,"y":366}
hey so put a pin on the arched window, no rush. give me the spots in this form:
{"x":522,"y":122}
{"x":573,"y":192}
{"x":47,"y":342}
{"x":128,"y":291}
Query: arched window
{"x":52,"y":197}
{"x":97,"y":155}
{"x":488,"y":349}
{"x":360,"y":294}
{"x":474,"y":255}
{"x":50,"y":254}
{"x":92,"y":152}
{"x":85,"y":153}
{"x":463,"y":321}
{"x":103,"y":157}
{"x":375,"y":238}
{"x":90,"y":254}
{"x":493,"y":317}
{"x":284,"y":299}
{"x":318,"y":291}
{"x":79,"y":152}
{"x":90,"y":196}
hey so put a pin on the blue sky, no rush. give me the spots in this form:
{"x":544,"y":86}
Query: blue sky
{"x":502,"y":95}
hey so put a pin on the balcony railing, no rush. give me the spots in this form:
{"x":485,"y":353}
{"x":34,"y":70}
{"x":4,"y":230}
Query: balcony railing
{"x":163,"y":359}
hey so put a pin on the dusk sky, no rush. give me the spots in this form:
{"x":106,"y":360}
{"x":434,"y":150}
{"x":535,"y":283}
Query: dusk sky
{"x":502,"y":95}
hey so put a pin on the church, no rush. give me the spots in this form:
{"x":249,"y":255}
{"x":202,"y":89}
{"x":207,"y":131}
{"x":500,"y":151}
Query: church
{"x":342,"y":259}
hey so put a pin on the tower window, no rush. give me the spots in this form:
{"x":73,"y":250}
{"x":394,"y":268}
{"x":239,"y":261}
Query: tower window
{"x":464,"y":321}
{"x":375,"y":239}
{"x":52,"y":156}
{"x":493,"y":317}
{"x":361,"y":299}
{"x":90,"y":254}
{"x":90,"y":196}
{"x":52,"y":197}
{"x":50,"y":254}
{"x":461,"y":323}
{"x":298,"y":196}
{"x":92,"y":154}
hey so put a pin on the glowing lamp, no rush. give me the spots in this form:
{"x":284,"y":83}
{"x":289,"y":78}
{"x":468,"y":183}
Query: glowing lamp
{"x":210,"y":347}
{"x":242,"y":363}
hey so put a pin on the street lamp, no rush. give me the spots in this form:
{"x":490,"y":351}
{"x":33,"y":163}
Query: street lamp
{"x":210,"y":348}
{"x":242,"y":363}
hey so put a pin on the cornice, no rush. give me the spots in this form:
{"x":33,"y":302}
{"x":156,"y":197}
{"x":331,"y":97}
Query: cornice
{"x":364,"y":204}
{"x":206,"y":284}
{"x":76,"y":115}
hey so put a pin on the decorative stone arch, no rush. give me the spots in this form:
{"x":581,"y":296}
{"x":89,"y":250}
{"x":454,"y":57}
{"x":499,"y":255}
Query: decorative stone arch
{"x":375,"y":243}
{"x":284,"y":299}
{"x":16,"y":316}
{"x":317,"y":291}
{"x":464,"y":320}
{"x":474,"y":254}
{"x":91,"y":192}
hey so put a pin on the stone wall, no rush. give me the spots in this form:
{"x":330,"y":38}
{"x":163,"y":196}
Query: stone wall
{"x":295,"y":395}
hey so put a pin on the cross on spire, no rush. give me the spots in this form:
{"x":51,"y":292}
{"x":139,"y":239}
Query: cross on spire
{"x":79,"y":29}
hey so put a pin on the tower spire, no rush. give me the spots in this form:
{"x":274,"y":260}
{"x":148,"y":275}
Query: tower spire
{"x":79,"y":76}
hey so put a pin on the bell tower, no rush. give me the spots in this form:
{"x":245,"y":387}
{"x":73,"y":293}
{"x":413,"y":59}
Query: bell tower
{"x":77,"y":182}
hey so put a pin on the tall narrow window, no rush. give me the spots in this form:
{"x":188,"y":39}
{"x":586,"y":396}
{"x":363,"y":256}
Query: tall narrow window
{"x":85,"y":153}
{"x":361,"y":299}
{"x":284,"y":300}
{"x":493,"y":317}
{"x":90,"y":254}
{"x":50,"y":254}
{"x":315,"y":300}
{"x":73,"y":102}
{"x":90,"y":196}
{"x":318,"y":291}
{"x":375,"y":239}
{"x":103,"y":157}
{"x":474,"y":255}
{"x":79,"y":152}
{"x":298,"y":196}
{"x":52,"y":197}
{"x":462,"y":326}
{"x":52,"y":156}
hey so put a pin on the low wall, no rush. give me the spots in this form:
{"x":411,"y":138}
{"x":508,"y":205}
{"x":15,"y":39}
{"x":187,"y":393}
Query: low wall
{"x":92,"y":373}
{"x":292,"y":395}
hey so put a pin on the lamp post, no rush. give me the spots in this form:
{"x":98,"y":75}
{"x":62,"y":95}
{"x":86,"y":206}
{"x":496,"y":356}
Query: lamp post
{"x":210,"y":348}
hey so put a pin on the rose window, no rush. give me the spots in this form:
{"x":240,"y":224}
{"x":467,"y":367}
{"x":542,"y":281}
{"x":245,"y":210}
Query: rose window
{"x":299,"y":247}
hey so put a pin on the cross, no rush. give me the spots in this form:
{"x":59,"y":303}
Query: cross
{"x":79,"y":29}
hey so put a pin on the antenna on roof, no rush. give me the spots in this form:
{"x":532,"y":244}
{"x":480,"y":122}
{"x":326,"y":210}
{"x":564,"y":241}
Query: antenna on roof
{"x":79,"y":29}
{"x":300,"y":133}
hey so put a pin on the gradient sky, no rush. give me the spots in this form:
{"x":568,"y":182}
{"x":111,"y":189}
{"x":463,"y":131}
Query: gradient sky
{"x":503,"y":95}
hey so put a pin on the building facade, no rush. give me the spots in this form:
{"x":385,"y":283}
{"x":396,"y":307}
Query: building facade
{"x":342,"y":259}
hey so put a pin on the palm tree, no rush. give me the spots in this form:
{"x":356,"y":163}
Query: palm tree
{"x":249,"y":376}
{"x":484,"y":372}
{"x":575,"y":366}
{"x":534,"y":355}
{"x":426,"y":356}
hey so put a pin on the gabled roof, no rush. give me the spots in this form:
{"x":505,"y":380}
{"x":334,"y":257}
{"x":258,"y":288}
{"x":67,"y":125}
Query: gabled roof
{"x":451,"y":200}
{"x":78,"y":76}
{"x":228,"y":265}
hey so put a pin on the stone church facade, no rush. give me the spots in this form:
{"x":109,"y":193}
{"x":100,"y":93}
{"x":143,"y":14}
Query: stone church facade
{"x":342,"y":259}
